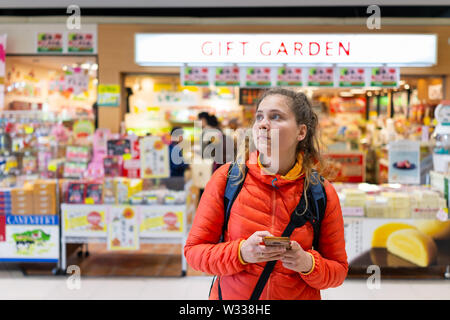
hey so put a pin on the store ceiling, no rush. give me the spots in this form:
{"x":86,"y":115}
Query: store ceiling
{"x":229,"y":8}
{"x":209,"y":3}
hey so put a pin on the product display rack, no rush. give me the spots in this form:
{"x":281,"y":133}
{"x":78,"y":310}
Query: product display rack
{"x":154,"y":237}
{"x":58,"y":268}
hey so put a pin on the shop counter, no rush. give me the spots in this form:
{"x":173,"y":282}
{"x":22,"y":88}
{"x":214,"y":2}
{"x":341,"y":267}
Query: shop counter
{"x":123,"y":227}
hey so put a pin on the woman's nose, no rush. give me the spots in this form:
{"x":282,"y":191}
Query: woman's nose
{"x":264,"y":124}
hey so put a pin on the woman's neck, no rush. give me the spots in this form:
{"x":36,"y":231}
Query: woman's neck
{"x":285,"y":164}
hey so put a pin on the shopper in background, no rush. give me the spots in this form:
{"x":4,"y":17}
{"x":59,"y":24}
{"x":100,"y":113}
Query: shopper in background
{"x":175,"y":151}
{"x":95,"y":112}
{"x":264,"y":206}
{"x":203,"y":117}
{"x":222,"y":144}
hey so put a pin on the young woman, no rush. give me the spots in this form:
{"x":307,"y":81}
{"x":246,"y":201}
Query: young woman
{"x":264,"y":206}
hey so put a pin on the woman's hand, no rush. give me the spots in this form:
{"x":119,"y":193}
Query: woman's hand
{"x":297,"y":259}
{"x":252,"y":251}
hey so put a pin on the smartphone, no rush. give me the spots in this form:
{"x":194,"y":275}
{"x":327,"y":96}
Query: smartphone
{"x":277,"y":241}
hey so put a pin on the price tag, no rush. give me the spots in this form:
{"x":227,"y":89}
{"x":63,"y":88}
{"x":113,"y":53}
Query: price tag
{"x":29,"y":130}
{"x":127,"y":156}
{"x":89,"y":201}
{"x":353,"y":211}
{"x":52,"y":167}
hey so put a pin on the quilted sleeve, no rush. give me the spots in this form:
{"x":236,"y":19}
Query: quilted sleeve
{"x":330,"y":265}
{"x":202,"y":250}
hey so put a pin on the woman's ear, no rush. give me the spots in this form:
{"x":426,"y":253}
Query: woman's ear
{"x":303,"y":130}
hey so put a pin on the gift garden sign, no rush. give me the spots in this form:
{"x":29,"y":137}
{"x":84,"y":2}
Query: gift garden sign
{"x":350,"y":49}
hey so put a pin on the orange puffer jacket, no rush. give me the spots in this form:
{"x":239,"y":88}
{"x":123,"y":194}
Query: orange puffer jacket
{"x":261,"y":206}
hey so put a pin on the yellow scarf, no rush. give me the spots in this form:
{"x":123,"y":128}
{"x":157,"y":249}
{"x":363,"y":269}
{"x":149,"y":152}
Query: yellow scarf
{"x":294,"y":173}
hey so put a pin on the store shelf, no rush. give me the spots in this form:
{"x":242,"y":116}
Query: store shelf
{"x":76,"y":227}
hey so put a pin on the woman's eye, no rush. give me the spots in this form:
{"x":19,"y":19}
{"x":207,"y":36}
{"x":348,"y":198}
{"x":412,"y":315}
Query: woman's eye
{"x":276,"y":117}
{"x":259,"y":117}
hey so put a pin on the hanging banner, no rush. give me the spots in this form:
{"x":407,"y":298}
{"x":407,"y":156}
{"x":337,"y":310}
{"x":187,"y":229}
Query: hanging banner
{"x":2,"y":69}
{"x":80,"y":42}
{"x":154,"y":158}
{"x":321,"y":77}
{"x":352,"y":77}
{"x":258,"y":77}
{"x":289,"y":76}
{"x":195,"y":76}
{"x":404,"y":162}
{"x":49,"y":42}
{"x":123,"y":231}
{"x":108,"y":95}
{"x":227,"y":76}
{"x":385,"y":77}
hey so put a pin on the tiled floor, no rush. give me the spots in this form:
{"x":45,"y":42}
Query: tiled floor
{"x":196,"y":288}
{"x":155,"y":274}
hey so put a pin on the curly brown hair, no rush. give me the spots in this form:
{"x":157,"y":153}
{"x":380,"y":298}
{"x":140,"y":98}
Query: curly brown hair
{"x":310,"y":146}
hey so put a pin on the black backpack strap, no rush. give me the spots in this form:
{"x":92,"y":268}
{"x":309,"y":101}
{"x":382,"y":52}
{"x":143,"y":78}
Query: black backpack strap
{"x":314,"y":214}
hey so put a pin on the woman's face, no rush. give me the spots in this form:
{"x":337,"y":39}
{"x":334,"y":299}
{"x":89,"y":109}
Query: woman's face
{"x":275,"y":115}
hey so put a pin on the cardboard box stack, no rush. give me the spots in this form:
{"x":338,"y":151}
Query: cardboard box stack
{"x":44,"y":197}
{"x":22,"y":200}
{"x":34,"y":198}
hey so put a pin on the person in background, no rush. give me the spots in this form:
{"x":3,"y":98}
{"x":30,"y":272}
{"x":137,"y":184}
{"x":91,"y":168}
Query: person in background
{"x":176,"y":169}
{"x":221,"y":144}
{"x":203,"y":117}
{"x":233,"y":124}
{"x":95,"y":112}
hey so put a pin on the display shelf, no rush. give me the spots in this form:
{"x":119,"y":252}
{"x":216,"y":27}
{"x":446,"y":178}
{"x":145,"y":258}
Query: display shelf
{"x":90,"y":224}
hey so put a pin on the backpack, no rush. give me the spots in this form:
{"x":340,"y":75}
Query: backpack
{"x":315,"y":212}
